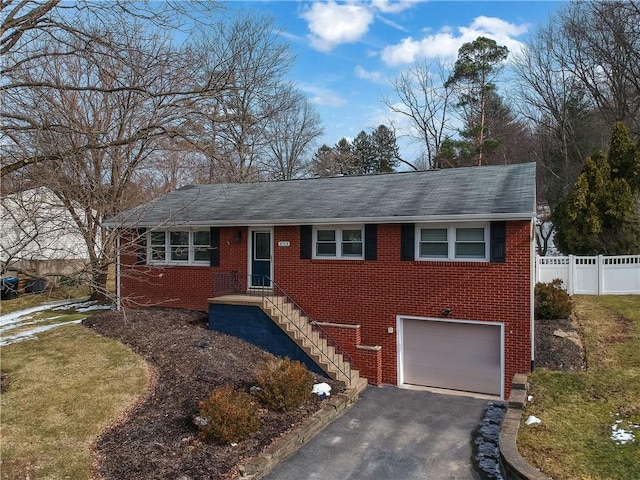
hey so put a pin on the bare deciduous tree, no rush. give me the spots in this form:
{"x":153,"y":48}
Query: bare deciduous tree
{"x":290,"y":136}
{"x":84,"y":124}
{"x":425,"y":101}
{"x":34,"y":33}
{"x":577,"y":75}
{"x":604,"y":56}
{"x":230,"y":129}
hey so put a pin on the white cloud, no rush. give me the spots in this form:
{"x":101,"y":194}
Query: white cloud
{"x":332,"y":24}
{"x":446,"y":42}
{"x":391,"y":6}
{"x":375,"y":77}
{"x":391,"y":23}
{"x":497,"y":26}
{"x":322,"y":96}
{"x":288,"y":35}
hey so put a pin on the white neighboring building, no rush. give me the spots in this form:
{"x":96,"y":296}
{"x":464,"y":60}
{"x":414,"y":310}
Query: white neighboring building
{"x":38,"y":235}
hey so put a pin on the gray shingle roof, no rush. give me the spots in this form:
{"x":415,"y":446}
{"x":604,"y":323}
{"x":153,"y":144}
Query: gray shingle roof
{"x":481,"y":193}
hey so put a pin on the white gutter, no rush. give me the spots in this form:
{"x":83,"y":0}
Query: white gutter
{"x":333,"y":221}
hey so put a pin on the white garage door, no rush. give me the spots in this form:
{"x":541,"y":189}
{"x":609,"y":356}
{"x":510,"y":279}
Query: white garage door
{"x":452,"y":355}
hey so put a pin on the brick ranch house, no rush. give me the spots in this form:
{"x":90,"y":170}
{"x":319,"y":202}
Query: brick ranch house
{"x":423,"y":278}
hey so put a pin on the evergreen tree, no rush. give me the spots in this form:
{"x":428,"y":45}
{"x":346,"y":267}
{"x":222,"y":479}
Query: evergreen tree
{"x":478,"y":63}
{"x":600,"y":213}
{"x":387,"y":152}
{"x":365,"y":153}
{"x":625,"y":157}
{"x":368,"y":154}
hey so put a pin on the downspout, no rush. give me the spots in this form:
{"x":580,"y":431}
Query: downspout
{"x":118,"y":293}
{"x":532,"y":297}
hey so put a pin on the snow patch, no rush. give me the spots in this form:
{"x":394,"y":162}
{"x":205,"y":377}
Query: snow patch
{"x":31,"y":333}
{"x":82,"y":307}
{"x":321,"y":389}
{"x":622,"y":432}
{"x":31,"y":317}
{"x":532,"y":420}
{"x":18,"y":316}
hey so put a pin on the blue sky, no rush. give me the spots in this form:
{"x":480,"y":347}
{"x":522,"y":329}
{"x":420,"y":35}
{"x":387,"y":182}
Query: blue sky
{"x":347,"y":52}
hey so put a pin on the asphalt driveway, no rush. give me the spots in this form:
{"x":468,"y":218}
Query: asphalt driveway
{"x":392,"y":433}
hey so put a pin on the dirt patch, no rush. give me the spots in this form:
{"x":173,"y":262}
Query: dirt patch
{"x":558,"y":346}
{"x":158,"y":438}
{"x":620,"y":331}
{"x":4,"y":382}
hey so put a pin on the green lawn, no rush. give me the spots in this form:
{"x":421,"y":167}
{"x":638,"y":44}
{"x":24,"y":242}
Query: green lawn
{"x":65,"y":388}
{"x":578,"y":410}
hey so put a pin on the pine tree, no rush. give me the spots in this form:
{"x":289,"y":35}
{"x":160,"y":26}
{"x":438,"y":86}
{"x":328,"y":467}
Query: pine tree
{"x":388,"y":154}
{"x":478,"y":63}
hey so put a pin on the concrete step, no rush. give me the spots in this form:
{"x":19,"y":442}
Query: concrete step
{"x":299,"y":328}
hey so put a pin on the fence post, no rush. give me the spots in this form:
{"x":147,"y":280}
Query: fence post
{"x":571,"y":276}
{"x":600,"y":275}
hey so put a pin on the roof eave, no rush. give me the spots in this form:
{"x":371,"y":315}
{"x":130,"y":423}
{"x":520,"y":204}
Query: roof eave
{"x":483,"y":217}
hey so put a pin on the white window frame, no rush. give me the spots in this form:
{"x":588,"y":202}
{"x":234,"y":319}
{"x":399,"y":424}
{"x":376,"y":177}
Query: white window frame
{"x":451,"y":241}
{"x":167,"y":247}
{"x":338,"y":239}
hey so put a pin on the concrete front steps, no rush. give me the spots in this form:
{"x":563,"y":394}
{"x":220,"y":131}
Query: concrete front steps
{"x":301,"y":330}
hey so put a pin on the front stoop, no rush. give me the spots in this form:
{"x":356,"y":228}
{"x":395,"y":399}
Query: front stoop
{"x":258,"y":467}
{"x":313,"y":344}
{"x":516,"y":467}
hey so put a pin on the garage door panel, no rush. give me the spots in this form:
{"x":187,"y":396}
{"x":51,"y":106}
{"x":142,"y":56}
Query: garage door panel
{"x":453,"y":355}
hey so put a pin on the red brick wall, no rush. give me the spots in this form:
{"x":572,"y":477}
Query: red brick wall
{"x":180,"y":286}
{"x":365,"y":359}
{"x":374,"y":293}
{"x":370,"y":293}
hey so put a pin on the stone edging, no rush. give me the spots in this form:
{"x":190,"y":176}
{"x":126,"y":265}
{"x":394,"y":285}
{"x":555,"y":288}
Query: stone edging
{"x":258,"y":467}
{"x":515,"y":466}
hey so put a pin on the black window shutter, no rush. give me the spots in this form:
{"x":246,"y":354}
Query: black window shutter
{"x":407,"y":242}
{"x":306,"y":241}
{"x":498,"y":246}
{"x":141,"y":246}
{"x":371,"y":241}
{"x":214,"y":244}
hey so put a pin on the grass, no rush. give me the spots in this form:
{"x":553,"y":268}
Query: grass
{"x":65,"y":388}
{"x":578,"y":409}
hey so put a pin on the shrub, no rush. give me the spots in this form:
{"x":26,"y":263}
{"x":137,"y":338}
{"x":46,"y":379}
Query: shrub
{"x":284,"y":384}
{"x":227,"y":415}
{"x":552,"y":301}
{"x":65,"y":281}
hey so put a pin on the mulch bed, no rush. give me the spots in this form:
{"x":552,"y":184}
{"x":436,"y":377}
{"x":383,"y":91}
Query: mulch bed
{"x":556,"y":352}
{"x":158,"y":438}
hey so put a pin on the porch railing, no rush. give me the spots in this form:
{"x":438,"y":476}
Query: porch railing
{"x":226,"y":283}
{"x":229,"y":283}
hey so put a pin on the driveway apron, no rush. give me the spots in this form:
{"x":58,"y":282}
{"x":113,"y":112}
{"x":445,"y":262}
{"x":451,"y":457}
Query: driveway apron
{"x":392,"y":433}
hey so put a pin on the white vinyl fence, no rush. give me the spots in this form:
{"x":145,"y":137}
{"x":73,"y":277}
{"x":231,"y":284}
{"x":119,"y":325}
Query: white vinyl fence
{"x":600,"y":275}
